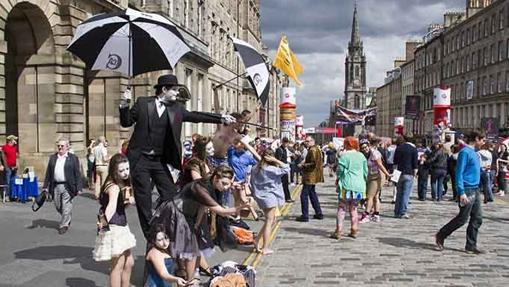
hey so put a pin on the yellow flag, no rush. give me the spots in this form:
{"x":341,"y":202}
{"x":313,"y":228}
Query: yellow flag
{"x":287,"y":62}
{"x":297,"y":67}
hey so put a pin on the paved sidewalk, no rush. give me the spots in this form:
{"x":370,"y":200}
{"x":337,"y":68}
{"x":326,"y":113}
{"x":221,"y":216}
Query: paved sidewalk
{"x":394,"y":252}
{"x":33,"y":254}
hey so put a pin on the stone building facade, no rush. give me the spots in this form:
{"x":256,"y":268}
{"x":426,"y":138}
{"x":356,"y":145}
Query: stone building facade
{"x":476,"y":66}
{"x":391,"y":96}
{"x":471,"y":56}
{"x":468,"y":52}
{"x":383,"y":124}
{"x":407,"y":89}
{"x":47,"y":93}
{"x":428,"y":65}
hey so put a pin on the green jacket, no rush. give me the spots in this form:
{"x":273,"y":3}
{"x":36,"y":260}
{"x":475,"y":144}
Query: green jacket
{"x":352,"y":171}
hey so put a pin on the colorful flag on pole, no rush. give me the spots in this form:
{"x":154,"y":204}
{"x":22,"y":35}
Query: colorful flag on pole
{"x":287,"y":62}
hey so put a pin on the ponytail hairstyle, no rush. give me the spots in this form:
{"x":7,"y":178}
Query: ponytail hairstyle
{"x":263,"y":161}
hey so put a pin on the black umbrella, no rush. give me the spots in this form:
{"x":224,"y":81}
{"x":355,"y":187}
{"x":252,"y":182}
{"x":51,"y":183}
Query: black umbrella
{"x":129,"y":42}
{"x":256,"y":68}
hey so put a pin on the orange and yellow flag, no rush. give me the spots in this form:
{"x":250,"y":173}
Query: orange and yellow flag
{"x":287,"y":62}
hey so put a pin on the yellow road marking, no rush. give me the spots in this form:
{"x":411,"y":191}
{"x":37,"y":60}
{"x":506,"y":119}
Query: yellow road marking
{"x":284,"y":212}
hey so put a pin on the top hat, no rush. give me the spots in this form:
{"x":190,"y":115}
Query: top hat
{"x":166,"y":80}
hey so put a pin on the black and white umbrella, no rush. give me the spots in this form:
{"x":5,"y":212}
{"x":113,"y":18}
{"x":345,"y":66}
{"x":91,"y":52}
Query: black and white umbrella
{"x":130,"y":42}
{"x":258,"y":73}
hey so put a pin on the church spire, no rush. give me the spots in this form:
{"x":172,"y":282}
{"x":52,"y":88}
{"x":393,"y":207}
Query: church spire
{"x":356,"y":37}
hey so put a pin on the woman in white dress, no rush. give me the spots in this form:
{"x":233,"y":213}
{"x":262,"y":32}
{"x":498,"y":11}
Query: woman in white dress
{"x":115,"y":241}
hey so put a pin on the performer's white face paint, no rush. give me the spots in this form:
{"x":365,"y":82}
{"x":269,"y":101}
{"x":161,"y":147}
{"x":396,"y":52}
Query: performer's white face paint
{"x":123,"y":170}
{"x":170,"y":94}
{"x":223,"y":183}
{"x":209,"y":148}
{"x":162,"y":240}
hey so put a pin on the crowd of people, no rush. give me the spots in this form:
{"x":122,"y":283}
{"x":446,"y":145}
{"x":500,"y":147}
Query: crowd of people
{"x":473,"y":166}
{"x":214,"y":181}
{"x":252,"y":181}
{"x":206,"y":185}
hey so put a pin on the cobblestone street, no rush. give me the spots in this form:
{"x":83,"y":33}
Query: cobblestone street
{"x":393,"y":252}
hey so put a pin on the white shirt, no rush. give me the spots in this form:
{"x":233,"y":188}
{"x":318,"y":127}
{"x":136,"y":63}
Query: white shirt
{"x":59,"y":175}
{"x":100,"y":152}
{"x":391,"y":150}
{"x":485,"y":157}
{"x":160,"y":107}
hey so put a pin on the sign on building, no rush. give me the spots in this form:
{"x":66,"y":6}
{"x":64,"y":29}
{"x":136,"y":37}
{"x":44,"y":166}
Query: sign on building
{"x":490,"y":127}
{"x":412,"y":107}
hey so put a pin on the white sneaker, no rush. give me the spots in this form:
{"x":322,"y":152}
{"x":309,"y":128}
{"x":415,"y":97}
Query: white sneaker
{"x":375,"y":218}
{"x":365,"y":219}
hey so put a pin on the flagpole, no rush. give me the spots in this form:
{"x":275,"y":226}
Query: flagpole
{"x":232,"y":79}
{"x":259,"y":126}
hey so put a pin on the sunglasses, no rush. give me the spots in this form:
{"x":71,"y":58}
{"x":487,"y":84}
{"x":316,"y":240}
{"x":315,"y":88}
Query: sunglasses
{"x":60,"y":145}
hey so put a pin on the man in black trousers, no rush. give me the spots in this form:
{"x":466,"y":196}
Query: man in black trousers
{"x":282,"y":155}
{"x":155,"y":152}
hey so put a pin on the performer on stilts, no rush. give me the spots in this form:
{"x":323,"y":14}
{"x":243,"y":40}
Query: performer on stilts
{"x":155,"y":151}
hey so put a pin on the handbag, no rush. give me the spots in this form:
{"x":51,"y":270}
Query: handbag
{"x":39,"y":201}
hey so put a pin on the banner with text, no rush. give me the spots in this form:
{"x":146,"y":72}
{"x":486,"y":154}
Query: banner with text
{"x":347,"y":116}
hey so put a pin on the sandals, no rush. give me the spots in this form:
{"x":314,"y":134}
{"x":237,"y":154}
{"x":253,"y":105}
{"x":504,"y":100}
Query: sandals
{"x":353,"y":233}
{"x":335,"y":235}
{"x":205,"y":271}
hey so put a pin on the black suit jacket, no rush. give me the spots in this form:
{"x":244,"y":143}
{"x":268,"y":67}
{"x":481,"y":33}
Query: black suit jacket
{"x":141,"y":114}
{"x":72,"y":173}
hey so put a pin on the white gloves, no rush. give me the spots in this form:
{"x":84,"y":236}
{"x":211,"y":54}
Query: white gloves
{"x":125,"y":98}
{"x":227,"y":119}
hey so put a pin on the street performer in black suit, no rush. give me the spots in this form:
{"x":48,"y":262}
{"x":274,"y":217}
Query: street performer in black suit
{"x":155,"y":152}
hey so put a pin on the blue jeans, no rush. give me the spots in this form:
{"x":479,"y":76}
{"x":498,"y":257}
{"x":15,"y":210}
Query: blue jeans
{"x":437,"y":183}
{"x":404,"y":189}
{"x":8,"y":178}
{"x":308,"y":190}
{"x":487,"y":185}
{"x":422,"y":187}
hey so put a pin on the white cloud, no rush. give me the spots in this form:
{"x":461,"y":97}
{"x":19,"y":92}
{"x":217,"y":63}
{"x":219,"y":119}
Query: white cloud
{"x":319,"y":31}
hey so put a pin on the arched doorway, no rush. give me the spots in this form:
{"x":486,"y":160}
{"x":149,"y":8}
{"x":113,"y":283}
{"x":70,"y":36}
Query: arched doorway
{"x":30,"y":79}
